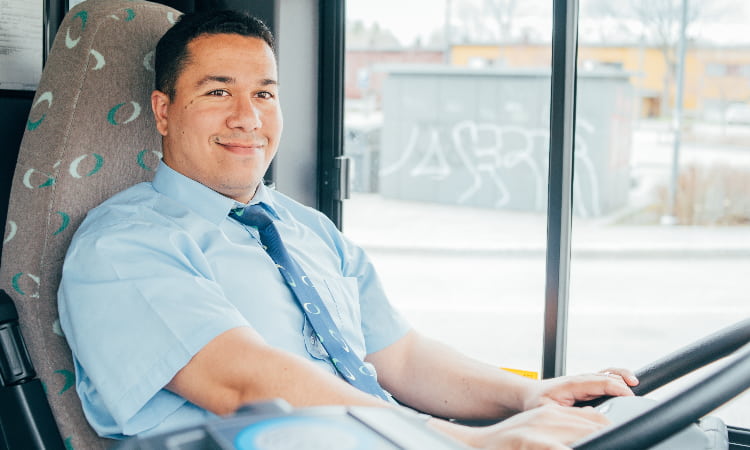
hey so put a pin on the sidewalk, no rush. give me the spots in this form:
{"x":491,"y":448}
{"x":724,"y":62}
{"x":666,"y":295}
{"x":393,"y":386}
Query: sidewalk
{"x":635,"y":295}
{"x":396,"y":225}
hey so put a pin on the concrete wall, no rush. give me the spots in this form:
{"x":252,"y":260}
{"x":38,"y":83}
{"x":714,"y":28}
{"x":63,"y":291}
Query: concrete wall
{"x":480,"y":138}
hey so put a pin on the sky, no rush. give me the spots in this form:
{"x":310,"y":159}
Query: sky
{"x":409,"y":19}
{"x":399,"y":15}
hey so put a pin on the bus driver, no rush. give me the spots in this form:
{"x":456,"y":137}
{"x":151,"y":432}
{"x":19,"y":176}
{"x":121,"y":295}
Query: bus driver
{"x":203,"y":290}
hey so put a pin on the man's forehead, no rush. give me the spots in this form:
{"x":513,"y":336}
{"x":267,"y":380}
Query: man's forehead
{"x":204,"y":37}
{"x":210,"y":46}
{"x":208,"y":51}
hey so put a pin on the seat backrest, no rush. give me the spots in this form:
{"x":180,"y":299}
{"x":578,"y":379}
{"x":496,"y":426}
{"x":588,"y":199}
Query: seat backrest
{"x":90,"y":134}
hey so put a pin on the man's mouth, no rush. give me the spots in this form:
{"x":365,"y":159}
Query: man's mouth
{"x":239,"y":145}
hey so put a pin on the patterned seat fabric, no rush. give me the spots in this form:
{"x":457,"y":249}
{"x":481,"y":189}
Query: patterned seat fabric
{"x":90,"y":134}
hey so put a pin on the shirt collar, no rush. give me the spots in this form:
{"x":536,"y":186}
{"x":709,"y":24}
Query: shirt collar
{"x":203,"y":200}
{"x":262,"y":197}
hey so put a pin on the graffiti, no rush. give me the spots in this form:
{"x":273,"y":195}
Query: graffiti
{"x":585,"y":172}
{"x":493,"y":157}
{"x":488,"y":160}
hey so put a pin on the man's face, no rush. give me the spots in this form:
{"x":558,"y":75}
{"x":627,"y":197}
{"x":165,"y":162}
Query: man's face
{"x":223,"y":126}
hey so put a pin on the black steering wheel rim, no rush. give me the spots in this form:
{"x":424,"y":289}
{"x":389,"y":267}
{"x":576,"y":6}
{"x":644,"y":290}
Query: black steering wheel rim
{"x":690,"y":404}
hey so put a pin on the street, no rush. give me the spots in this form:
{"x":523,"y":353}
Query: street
{"x":637,"y":293}
{"x":474,"y":278}
{"x":626,"y":312}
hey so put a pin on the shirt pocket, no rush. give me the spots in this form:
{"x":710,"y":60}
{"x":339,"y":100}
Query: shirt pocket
{"x":343,"y":302}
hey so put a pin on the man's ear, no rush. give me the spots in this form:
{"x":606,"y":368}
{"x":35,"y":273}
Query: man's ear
{"x":160,"y":106}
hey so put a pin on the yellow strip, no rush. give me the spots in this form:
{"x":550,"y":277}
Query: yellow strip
{"x":523,"y":373}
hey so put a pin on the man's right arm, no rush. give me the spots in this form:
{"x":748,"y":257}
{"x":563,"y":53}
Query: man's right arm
{"x":238,"y":367}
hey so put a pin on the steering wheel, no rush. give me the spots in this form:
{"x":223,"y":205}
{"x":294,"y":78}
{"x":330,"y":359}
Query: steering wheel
{"x":687,"y":406}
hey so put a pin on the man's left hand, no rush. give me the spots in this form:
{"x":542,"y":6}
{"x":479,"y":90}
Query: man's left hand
{"x":567,"y":390}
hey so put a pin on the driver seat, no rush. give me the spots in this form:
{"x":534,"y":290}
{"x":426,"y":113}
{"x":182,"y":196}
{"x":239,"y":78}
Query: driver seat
{"x":90,"y":134}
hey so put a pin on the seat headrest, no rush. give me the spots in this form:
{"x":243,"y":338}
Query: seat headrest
{"x":90,"y":134}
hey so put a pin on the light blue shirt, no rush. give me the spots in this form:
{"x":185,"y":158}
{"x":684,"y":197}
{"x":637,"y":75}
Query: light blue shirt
{"x":159,"y":270}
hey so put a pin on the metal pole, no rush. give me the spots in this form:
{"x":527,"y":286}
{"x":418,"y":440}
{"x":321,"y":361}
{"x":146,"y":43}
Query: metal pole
{"x":560,"y":189}
{"x":671,"y":217}
{"x":332,"y":17}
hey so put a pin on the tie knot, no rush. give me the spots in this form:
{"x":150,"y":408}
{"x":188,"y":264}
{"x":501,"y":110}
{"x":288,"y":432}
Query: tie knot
{"x":253,"y":215}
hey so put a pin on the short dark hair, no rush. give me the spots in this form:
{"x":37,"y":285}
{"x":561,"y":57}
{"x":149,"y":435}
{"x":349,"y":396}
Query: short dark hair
{"x":172,"y":49}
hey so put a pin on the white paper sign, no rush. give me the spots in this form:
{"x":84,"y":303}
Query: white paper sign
{"x":21,"y":41}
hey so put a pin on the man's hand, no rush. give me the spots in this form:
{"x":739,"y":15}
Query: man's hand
{"x":550,"y":427}
{"x":566,"y":391}
{"x":627,"y":375}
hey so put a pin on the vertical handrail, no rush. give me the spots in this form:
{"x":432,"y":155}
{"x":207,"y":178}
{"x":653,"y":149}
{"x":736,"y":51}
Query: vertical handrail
{"x":560,"y":199}
{"x":330,"y":105}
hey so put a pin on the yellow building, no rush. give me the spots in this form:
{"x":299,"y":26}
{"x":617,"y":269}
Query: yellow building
{"x":715,"y":77}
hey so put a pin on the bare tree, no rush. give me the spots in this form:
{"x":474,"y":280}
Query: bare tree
{"x":482,"y":20}
{"x":660,"y":26}
{"x":661,"y":19}
{"x":359,"y":34}
{"x":503,"y":11}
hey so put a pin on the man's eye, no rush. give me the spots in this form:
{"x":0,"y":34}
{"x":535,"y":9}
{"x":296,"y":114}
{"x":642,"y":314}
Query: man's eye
{"x":265,"y":95}
{"x":218,"y":93}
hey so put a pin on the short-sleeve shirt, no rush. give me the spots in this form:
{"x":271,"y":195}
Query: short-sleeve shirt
{"x":159,"y":270}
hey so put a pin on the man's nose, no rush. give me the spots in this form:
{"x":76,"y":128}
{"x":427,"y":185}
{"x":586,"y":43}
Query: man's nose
{"x":244,"y":115}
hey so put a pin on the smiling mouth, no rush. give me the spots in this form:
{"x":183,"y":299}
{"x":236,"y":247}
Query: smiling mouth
{"x":238,"y":145}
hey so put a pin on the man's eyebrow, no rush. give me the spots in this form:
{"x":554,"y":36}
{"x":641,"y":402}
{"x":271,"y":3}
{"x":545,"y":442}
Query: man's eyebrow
{"x":231,"y":80}
{"x":215,"y":78}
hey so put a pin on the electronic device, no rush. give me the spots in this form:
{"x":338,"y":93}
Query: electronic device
{"x":276,"y":425}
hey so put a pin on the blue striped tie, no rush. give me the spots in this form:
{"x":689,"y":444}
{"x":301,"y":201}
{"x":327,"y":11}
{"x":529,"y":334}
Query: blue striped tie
{"x":348,"y":364}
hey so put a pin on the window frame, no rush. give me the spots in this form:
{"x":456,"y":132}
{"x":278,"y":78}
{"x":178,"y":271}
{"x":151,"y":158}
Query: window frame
{"x":561,"y":156}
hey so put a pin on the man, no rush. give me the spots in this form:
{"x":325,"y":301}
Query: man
{"x":176,"y":310}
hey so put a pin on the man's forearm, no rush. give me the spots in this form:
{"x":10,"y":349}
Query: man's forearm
{"x":438,"y":380}
{"x":237,"y":368}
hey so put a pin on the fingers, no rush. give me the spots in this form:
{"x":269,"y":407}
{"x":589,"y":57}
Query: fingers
{"x":571,"y":389}
{"x":547,"y":427}
{"x":627,"y":375}
{"x":613,"y":385}
{"x":593,"y":415}
{"x":589,"y":387}
{"x":568,"y":424}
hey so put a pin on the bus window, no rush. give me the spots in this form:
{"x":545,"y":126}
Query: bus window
{"x":446,"y":123}
{"x":661,"y":230}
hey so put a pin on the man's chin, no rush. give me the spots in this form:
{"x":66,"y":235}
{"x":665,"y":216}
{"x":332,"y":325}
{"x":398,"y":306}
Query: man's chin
{"x":240,"y":193}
